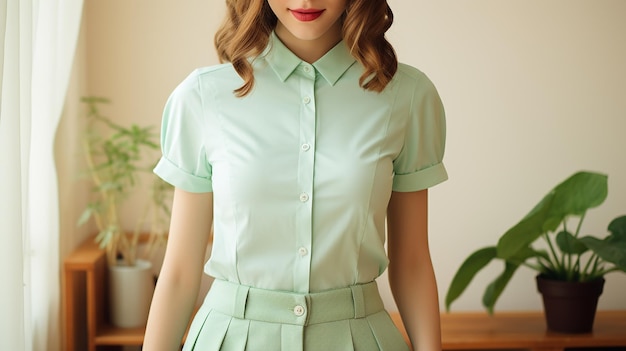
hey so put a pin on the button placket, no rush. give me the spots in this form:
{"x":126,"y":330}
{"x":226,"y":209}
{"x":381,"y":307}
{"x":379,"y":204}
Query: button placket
{"x":306,"y":164}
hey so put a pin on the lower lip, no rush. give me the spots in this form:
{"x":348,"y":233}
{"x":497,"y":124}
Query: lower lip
{"x":306,"y":16}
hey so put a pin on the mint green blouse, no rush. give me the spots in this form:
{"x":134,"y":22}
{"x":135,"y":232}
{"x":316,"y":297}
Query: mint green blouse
{"x":303,"y":167}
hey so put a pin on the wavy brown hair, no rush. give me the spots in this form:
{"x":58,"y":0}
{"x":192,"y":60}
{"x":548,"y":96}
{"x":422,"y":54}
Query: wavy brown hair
{"x":245,"y":32}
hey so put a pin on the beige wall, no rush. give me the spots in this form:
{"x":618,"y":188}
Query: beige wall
{"x":534,"y":91}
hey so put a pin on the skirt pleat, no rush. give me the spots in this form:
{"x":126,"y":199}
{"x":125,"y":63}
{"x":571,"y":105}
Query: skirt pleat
{"x":211,"y":335}
{"x":263,"y":336}
{"x":362,"y":336}
{"x":334,"y":336}
{"x":236,"y":336}
{"x":291,"y":337}
{"x":196,"y":326}
{"x":385,"y":332}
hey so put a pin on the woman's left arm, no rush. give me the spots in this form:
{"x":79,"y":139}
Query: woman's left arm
{"x":411,"y":273}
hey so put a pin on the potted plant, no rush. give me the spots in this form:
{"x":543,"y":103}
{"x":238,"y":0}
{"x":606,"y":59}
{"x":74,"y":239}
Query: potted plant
{"x":566,"y":262}
{"x":116,"y":156}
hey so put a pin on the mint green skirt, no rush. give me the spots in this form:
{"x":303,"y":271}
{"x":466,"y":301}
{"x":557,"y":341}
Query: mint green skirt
{"x":234,"y":317}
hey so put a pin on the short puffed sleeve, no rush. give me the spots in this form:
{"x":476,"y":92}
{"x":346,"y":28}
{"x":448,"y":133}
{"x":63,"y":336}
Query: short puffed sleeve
{"x":420,"y":163}
{"x":184,"y":162}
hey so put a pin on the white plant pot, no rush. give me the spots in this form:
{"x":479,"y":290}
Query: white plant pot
{"x":130,"y":294}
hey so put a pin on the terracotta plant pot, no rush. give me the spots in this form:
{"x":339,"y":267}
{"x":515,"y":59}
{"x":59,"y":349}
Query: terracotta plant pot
{"x":570,"y":307}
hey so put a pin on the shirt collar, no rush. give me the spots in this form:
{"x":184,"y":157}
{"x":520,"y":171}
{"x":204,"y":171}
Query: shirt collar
{"x":284,"y":62}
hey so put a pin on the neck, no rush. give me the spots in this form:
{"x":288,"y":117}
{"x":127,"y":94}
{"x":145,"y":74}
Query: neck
{"x":309,"y":50}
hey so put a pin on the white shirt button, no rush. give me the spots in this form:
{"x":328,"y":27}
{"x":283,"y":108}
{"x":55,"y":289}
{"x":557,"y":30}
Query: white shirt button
{"x":307,"y":69}
{"x":304,"y":197}
{"x":306,"y":100}
{"x":303,"y":251}
{"x":306,"y":147}
{"x":298,"y":310}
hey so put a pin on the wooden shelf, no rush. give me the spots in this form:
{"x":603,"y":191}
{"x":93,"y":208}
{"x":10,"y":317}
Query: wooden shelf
{"x":86,"y":303}
{"x":85,"y":291}
{"x":525,"y":330}
{"x":87,"y":328}
{"x":110,"y":335}
{"x":85,"y":299}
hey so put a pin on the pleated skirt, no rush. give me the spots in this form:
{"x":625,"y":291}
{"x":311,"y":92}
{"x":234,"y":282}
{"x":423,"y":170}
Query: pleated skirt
{"x":234,"y":317}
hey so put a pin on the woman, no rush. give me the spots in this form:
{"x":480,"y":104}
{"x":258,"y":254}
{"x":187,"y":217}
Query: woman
{"x":296,"y":151}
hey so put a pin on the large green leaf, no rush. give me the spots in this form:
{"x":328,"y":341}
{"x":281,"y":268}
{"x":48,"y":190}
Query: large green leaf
{"x":580,"y":192}
{"x":612,"y":250}
{"x":527,"y":230}
{"x":527,"y":252}
{"x":494,"y":290}
{"x":574,"y":196}
{"x":569,"y":244}
{"x":472,"y":265}
{"x":617,"y":227}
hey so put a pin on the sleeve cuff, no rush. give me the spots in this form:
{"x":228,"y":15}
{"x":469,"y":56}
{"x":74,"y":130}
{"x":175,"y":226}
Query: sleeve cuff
{"x":172,"y":174}
{"x":420,"y":180}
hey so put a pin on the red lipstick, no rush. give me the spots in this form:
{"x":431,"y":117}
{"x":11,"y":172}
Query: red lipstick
{"x":306,"y":15}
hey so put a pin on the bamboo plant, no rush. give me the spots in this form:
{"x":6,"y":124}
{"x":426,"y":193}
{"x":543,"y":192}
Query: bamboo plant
{"x":115,"y":157}
{"x":556,"y":221}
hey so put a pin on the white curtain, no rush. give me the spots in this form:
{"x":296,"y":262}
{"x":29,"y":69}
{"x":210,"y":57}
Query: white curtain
{"x":37,"y":44}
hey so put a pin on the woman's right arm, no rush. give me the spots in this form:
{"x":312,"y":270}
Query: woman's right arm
{"x":179,"y":281}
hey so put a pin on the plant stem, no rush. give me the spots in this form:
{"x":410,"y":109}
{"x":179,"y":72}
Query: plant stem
{"x":566,"y":260}
{"x":580,"y":222}
{"x":557,"y":266}
{"x":585,"y":272}
{"x":110,"y":244}
{"x":138,"y":225}
{"x":532,"y":266}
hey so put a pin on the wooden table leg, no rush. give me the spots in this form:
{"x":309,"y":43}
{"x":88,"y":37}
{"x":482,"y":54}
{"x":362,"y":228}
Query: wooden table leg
{"x":91,"y":310}
{"x":70,"y":323}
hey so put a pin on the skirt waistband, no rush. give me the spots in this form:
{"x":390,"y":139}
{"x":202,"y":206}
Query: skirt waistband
{"x":244,"y":302}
